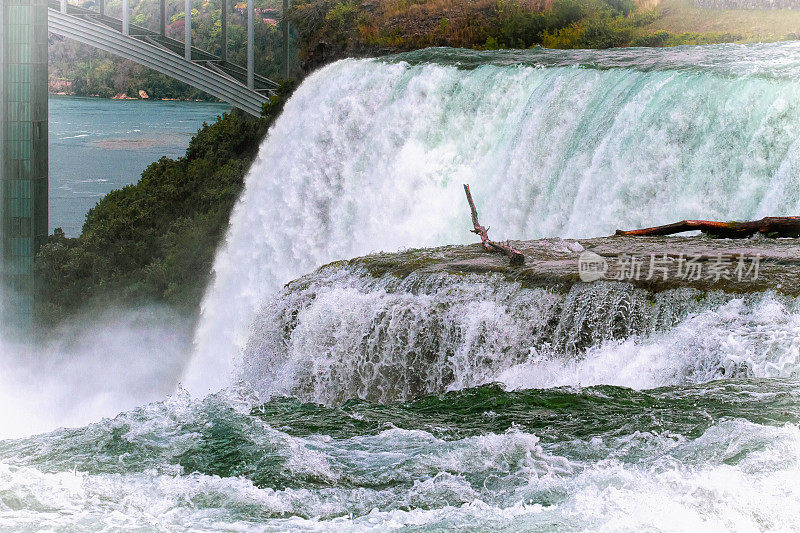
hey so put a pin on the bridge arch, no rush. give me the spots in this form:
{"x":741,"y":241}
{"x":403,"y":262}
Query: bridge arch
{"x":239,"y":86}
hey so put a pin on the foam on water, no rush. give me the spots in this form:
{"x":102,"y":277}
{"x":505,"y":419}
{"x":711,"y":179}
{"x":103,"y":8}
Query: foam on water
{"x":736,"y":474}
{"x":755,"y":337}
{"x":371,"y":155}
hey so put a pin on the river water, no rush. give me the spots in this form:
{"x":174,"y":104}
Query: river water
{"x":97,"y":145}
{"x":359,"y":400}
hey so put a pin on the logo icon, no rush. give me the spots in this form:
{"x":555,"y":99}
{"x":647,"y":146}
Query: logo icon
{"x":591,"y":266}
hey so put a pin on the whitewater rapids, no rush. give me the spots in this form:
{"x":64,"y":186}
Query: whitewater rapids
{"x":355,"y":401}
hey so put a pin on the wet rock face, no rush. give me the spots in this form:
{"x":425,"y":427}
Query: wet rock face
{"x":652,"y":263}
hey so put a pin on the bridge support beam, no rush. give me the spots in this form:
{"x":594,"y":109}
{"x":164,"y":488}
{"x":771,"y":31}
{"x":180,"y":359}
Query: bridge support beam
{"x":250,"y":40}
{"x":224,"y":22}
{"x":23,"y":151}
{"x":162,"y":27}
{"x":126,"y":25}
{"x":63,"y":6}
{"x":101,"y":7}
{"x":287,"y":67}
{"x":187,"y":30}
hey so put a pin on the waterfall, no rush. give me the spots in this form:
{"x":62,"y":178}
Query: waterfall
{"x":370,"y":155}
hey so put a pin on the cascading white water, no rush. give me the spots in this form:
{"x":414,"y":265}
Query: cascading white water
{"x":370,"y":155}
{"x":341,"y":333}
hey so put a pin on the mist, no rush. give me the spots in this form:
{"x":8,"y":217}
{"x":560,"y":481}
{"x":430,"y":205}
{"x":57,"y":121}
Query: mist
{"x":90,"y":368}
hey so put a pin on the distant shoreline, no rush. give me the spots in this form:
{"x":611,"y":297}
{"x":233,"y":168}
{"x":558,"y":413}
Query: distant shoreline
{"x":131,"y":98}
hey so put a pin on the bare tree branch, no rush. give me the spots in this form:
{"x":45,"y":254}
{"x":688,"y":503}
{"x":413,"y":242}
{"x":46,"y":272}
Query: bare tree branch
{"x":768,"y":226}
{"x":516,"y":257}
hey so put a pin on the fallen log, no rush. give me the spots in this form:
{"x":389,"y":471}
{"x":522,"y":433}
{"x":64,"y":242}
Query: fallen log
{"x":767,"y":226}
{"x":516,"y":257}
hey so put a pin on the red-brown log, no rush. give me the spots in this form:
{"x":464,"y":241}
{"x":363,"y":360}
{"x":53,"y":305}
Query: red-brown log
{"x":516,"y":257}
{"x":768,"y":226}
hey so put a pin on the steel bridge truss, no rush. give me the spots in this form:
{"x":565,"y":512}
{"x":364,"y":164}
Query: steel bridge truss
{"x":213,"y":74}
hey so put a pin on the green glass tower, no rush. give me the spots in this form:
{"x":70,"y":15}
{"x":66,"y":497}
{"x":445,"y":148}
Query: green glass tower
{"x":23,"y":141}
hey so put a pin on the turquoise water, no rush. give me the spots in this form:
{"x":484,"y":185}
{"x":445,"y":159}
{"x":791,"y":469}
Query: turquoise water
{"x":722,"y":456}
{"x":97,"y":145}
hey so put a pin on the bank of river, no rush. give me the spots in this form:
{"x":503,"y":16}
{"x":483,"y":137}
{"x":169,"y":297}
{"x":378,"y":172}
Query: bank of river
{"x":97,"y":145}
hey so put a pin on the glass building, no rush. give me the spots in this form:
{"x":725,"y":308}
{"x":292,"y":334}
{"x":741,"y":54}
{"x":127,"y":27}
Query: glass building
{"x":23,"y":141}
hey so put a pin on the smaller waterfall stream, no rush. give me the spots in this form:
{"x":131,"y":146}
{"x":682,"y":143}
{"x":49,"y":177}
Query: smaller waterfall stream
{"x":341,"y":333}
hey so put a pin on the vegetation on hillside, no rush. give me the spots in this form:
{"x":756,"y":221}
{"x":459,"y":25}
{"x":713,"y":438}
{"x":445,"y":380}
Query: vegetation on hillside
{"x":154,"y":241}
{"x":355,"y":27}
{"x":683,"y":17}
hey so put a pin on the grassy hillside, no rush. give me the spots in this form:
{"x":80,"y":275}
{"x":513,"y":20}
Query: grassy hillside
{"x":748,"y":25}
{"x":346,"y":27}
{"x":351,"y":26}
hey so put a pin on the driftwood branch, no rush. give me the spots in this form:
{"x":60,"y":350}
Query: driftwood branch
{"x":768,"y":226}
{"x":516,"y":257}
